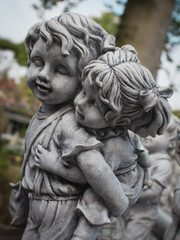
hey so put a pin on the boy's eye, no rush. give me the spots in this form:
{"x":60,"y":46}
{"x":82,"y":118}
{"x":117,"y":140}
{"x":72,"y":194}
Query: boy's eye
{"x":62,"y":70}
{"x":38,"y":62}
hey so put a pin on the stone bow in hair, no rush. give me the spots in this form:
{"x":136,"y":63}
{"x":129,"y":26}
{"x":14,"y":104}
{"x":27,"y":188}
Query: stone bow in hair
{"x":166,"y":92}
{"x":148,"y":99}
{"x":109,"y":43}
{"x":129,"y":48}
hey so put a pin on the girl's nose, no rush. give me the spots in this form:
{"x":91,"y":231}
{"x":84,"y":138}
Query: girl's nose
{"x":78,"y":103}
{"x":80,"y":106}
{"x":82,"y":103}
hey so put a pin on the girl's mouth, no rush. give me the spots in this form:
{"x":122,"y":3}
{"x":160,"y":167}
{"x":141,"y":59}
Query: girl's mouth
{"x":79,"y":114}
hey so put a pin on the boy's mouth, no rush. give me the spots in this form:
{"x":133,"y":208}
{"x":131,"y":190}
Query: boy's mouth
{"x":42,"y":88}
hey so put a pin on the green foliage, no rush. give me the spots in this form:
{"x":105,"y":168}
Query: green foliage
{"x":7,"y":44}
{"x":3,"y":165}
{"x":113,"y":6}
{"x":18,"y":49}
{"x":109,"y":21}
{"x":4,"y":183}
{"x":177,"y":113}
{"x":21,"y":54}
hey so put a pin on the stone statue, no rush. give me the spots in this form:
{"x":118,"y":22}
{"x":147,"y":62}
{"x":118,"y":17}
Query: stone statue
{"x":168,"y":193}
{"x":75,"y":154}
{"x":141,"y":218}
{"x":98,"y":109}
{"x":138,"y":221}
{"x":173,"y":231}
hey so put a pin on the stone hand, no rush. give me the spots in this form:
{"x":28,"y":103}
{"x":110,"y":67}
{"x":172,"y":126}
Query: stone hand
{"x":45,"y":158}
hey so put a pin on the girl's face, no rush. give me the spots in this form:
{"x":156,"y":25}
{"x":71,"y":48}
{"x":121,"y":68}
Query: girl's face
{"x":52,"y":77}
{"x":90,"y":111}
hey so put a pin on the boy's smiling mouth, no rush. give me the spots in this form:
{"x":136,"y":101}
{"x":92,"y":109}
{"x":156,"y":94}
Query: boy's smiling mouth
{"x":42,"y":88}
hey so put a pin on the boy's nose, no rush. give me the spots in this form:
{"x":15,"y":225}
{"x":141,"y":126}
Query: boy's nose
{"x":45,"y":75}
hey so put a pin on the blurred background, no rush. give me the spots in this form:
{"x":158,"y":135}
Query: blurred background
{"x":151,"y":26}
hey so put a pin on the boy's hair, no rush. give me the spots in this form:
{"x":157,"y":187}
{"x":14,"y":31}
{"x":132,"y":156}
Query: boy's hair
{"x":130,"y":91}
{"x":73,"y":32}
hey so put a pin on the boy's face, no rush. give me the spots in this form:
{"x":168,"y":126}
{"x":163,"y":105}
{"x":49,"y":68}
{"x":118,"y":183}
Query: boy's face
{"x":52,"y":77}
{"x":89,"y":109}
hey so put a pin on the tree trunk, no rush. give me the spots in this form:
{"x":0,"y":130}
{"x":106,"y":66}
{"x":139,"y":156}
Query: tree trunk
{"x":144,"y":25}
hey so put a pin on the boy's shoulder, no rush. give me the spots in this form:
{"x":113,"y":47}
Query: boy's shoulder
{"x":68,"y":125}
{"x":68,"y":118}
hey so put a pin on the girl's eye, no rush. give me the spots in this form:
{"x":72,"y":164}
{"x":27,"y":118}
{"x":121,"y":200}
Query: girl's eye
{"x":83,"y":92}
{"x":93,"y":102}
{"x":38,"y":62}
{"x":62,"y":70}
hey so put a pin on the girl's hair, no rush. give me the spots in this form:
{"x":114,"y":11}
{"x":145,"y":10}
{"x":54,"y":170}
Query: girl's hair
{"x":173,"y":126}
{"x":73,"y":32}
{"x":130,"y":91}
{"x":102,"y":74}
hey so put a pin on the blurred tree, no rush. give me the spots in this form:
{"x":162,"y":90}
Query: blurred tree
{"x":18,"y":49}
{"x":144,"y":25}
{"x":109,"y":21}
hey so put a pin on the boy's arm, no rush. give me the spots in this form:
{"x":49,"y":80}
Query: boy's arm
{"x":51,"y":161}
{"x":102,"y":179}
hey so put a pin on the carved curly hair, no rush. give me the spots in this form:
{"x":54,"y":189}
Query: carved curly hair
{"x":73,"y":32}
{"x":128,"y":88}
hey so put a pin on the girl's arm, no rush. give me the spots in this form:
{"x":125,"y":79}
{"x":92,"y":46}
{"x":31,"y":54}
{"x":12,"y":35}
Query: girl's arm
{"x":151,"y":195}
{"x":176,"y":203}
{"x":143,"y":155}
{"x":102,"y":179}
